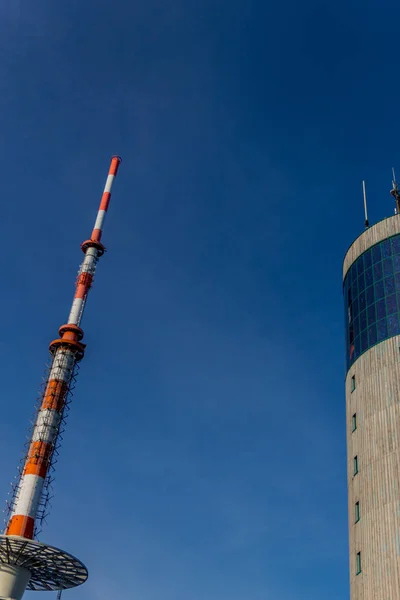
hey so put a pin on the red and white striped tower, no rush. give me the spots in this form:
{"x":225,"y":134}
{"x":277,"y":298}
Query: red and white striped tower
{"x":24,"y":562}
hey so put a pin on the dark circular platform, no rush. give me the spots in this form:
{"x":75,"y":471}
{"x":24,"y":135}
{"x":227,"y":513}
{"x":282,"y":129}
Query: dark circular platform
{"x":51,"y":569}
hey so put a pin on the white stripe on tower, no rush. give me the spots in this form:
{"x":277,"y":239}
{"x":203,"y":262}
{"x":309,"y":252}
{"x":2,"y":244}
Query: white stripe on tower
{"x":100,"y":219}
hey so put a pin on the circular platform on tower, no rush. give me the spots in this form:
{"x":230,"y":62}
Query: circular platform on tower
{"x":51,"y":569}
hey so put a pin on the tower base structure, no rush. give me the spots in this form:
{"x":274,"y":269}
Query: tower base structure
{"x":30,"y":565}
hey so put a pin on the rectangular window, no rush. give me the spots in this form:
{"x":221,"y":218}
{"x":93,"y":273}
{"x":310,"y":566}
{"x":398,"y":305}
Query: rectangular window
{"x":358,"y":563}
{"x":355,"y":464}
{"x":356,"y":512}
{"x":354,"y":422}
{"x":353,"y":383}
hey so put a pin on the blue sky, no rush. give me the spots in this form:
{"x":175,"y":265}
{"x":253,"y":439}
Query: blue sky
{"x":205,"y":450}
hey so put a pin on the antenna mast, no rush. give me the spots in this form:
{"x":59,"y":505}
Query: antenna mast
{"x":24,"y":562}
{"x":366,"y":222}
{"x":395,"y":193}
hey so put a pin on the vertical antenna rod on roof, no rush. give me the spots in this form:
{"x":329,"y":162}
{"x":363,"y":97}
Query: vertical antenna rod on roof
{"x":395,"y":193}
{"x":366,"y":222}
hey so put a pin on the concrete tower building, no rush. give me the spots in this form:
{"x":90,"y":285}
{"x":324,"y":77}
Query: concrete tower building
{"x":371,"y":276}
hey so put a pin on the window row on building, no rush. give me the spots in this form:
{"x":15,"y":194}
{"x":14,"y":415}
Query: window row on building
{"x":372,"y":298}
{"x":357,"y":513}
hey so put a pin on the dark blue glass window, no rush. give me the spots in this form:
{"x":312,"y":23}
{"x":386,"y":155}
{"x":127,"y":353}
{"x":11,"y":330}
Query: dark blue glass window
{"x":389,"y":285}
{"x":371,"y":314}
{"x":372,"y":337}
{"x":370,"y":295}
{"x":364,"y":340}
{"x":372,"y":298}
{"x":356,"y":323}
{"x":387,"y":266}
{"x":393,"y":325}
{"x":382,"y":330}
{"x":379,"y":290}
{"x":391,"y":304}
{"x":361,"y":300}
{"x":378,"y":271}
{"x":376,"y":253}
{"x":369,"y":278}
{"x":381,"y":309}
{"x":396,"y":245}
{"x":396,"y":262}
{"x":363,"y":320}
{"x":386,"y":249}
{"x":368,"y":259}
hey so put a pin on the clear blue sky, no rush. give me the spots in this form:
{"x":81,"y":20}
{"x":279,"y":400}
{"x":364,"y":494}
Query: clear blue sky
{"x":205,"y":452}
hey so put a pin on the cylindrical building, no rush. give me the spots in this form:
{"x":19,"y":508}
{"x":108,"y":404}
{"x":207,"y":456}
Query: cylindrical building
{"x":371,"y":276}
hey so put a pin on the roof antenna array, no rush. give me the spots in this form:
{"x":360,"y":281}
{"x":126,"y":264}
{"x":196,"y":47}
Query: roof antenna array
{"x":366,"y":222}
{"x":395,"y":193}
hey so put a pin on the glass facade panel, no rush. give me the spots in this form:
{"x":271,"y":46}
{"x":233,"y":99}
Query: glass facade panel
{"x":372,"y":336}
{"x":382,"y":330}
{"x":379,"y":289}
{"x":376,"y":253}
{"x":372,"y":298}
{"x":395,"y":243}
{"x":364,"y":340}
{"x":369,"y":277}
{"x":386,"y":249}
{"x":387,"y":266}
{"x":378,"y":271}
{"x":371,"y":314}
{"x":361,"y":299}
{"x":393,"y":325}
{"x":391,"y":304}
{"x":389,"y":285}
{"x":363,"y":320}
{"x":381,"y":309}
{"x":370,"y":295}
{"x":396,"y":262}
